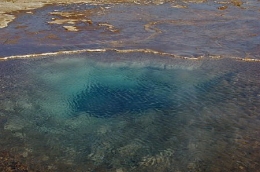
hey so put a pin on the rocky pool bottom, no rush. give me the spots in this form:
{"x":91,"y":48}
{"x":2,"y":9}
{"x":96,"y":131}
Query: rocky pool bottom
{"x":129,"y":112}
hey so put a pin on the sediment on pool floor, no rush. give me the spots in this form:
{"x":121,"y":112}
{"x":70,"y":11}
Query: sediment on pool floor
{"x":214,"y":113}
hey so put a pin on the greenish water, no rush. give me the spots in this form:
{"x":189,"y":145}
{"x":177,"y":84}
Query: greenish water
{"x":131,"y":112}
{"x":173,"y":87}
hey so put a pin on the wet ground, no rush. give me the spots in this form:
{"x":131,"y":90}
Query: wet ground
{"x":131,"y":87}
{"x":185,"y":29}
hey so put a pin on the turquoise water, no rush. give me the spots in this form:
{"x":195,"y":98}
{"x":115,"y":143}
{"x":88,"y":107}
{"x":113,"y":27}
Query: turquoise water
{"x":173,"y":87}
{"x":131,"y":112}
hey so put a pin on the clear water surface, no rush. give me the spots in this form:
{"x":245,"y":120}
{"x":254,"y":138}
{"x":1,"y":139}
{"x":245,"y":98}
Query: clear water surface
{"x":189,"y":103}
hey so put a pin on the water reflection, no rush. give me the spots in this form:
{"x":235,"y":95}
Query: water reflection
{"x":197,"y":29}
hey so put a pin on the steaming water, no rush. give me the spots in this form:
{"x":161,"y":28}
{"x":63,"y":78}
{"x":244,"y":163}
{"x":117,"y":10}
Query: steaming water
{"x":149,"y":108}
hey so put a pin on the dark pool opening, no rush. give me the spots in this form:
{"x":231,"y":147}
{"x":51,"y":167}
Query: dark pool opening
{"x":104,"y":101}
{"x":125,"y":111}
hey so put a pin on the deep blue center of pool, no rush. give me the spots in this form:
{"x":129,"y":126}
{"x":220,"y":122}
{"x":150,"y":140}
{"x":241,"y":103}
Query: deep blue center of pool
{"x":102,"y":100}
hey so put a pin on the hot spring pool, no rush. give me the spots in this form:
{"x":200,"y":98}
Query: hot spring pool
{"x":131,"y":112}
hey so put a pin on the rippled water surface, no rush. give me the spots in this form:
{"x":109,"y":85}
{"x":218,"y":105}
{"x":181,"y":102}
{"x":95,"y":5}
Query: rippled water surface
{"x":131,"y":112}
{"x":155,"y":88}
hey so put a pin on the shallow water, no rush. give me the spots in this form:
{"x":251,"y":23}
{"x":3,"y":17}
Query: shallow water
{"x":185,"y":29}
{"x":155,"y":88}
{"x":131,"y":112}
